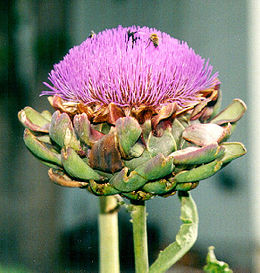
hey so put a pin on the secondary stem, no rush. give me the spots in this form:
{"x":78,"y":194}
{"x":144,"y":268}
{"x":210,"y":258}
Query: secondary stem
{"x":138,"y":214}
{"x":108,"y":235}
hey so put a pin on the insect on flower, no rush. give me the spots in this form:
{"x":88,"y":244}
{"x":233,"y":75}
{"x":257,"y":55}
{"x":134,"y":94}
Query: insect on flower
{"x":154,"y":39}
{"x":131,"y":35}
{"x":92,"y":34}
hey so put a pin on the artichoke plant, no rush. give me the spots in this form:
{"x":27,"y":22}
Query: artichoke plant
{"x":137,"y":115}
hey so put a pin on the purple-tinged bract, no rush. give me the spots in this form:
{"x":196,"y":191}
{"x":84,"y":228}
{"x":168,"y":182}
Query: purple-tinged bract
{"x":129,"y":67}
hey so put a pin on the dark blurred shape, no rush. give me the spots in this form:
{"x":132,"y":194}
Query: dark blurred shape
{"x":27,"y":53}
{"x":54,"y":45}
{"x":79,"y":246}
{"x":228,"y":180}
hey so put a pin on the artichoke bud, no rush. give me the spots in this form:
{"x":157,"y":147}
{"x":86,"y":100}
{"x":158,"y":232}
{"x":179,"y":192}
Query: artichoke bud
{"x":134,"y":119}
{"x":127,"y":158}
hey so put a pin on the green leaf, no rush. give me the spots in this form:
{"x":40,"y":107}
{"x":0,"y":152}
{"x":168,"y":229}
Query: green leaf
{"x":135,"y":162}
{"x":177,"y":129}
{"x":137,"y":150}
{"x":186,"y":186}
{"x":215,"y":266}
{"x":47,"y":115}
{"x":138,"y":195}
{"x":185,"y":238}
{"x":155,"y":168}
{"x":217,"y":106}
{"x":204,"y":134}
{"x":84,"y":130}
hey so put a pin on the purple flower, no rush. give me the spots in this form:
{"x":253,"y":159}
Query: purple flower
{"x":131,"y":66}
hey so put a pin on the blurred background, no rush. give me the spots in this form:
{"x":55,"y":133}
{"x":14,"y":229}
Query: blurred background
{"x":46,"y":228}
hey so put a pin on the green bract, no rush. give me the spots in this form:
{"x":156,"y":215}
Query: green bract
{"x":129,"y":157}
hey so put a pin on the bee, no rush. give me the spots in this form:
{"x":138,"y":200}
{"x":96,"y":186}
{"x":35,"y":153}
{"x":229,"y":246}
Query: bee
{"x":131,"y":35}
{"x":154,"y":39}
{"x":92,"y":34}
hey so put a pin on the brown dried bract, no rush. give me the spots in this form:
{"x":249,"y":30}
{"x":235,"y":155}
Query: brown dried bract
{"x":143,"y":113}
{"x":110,"y":114}
{"x":82,"y":108}
{"x":105,"y":155}
{"x":166,"y":112}
{"x":61,"y":179}
{"x":205,"y":108}
{"x":62,"y":105}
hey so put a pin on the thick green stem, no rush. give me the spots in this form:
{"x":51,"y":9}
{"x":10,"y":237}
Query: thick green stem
{"x":138,"y":214}
{"x":108,"y":235}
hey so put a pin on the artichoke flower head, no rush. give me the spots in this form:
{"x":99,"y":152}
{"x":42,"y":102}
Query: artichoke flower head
{"x":136,"y":115}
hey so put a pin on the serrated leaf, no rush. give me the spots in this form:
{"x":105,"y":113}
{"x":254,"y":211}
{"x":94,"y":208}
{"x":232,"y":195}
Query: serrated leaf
{"x":215,"y":266}
{"x":185,"y":238}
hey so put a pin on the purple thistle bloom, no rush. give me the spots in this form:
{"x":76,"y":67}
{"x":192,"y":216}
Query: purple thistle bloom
{"x":129,"y":67}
